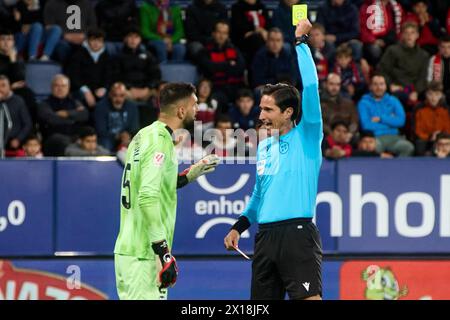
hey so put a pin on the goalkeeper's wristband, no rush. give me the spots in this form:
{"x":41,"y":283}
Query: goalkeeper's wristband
{"x":241,"y":225}
{"x":162,"y":250}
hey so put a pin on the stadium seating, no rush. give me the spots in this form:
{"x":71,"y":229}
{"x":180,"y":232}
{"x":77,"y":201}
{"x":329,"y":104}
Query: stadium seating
{"x":179,"y":72}
{"x":39,"y":75}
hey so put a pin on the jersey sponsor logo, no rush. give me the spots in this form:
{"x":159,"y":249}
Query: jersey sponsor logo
{"x":158,"y":159}
{"x":260,"y":167}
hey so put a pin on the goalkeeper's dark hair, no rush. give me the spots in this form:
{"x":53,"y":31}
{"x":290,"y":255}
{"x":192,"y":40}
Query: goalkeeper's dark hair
{"x":172,"y":93}
{"x":285,"y":96}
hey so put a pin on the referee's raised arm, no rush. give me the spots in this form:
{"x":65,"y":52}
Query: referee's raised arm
{"x":308,"y":72}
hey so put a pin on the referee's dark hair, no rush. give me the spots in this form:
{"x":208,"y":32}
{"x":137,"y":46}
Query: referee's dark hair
{"x":173,"y":93}
{"x":285,"y":96}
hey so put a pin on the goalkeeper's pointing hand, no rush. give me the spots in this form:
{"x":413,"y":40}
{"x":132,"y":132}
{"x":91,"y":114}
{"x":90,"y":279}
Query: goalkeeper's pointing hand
{"x":205,"y":165}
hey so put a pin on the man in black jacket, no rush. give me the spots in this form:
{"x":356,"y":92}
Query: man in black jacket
{"x":61,"y":117}
{"x":136,"y":67}
{"x":89,"y":69}
{"x":114,"y":17}
{"x":21,"y":120}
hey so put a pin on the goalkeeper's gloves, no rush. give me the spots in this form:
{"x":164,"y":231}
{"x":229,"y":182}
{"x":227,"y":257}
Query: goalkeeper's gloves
{"x":169,"y":272}
{"x":205,"y":165}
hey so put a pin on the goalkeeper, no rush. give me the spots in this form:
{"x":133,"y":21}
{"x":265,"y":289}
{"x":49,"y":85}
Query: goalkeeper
{"x":144,"y":265}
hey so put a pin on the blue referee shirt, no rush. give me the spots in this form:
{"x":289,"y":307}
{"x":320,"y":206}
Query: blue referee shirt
{"x":287,"y":169}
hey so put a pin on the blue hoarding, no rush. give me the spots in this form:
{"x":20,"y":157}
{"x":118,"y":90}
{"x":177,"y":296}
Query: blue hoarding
{"x":26,"y":207}
{"x":400,"y":205}
{"x":87,"y":205}
{"x":208,"y":279}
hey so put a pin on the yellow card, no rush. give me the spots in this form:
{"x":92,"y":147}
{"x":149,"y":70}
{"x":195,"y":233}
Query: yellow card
{"x":299,"y":12}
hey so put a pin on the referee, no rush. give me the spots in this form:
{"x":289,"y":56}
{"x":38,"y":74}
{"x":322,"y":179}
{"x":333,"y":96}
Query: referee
{"x":288,"y":249}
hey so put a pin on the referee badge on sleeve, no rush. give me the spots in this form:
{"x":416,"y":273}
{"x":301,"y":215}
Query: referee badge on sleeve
{"x":260,"y":167}
{"x":158,"y":159}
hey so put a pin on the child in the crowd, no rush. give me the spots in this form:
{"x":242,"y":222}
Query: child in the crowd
{"x":353,"y":78}
{"x":33,"y":147}
{"x":245,"y":113}
{"x":336,"y":145}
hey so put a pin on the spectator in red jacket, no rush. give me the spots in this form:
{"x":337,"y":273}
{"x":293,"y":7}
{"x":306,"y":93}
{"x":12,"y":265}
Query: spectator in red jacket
{"x":380,"y":22}
{"x":336,"y":145}
{"x":429,"y":27}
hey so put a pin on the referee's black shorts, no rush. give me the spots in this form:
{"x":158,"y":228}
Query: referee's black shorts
{"x":287,"y":258}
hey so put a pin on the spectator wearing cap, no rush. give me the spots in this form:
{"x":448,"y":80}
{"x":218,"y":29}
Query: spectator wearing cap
{"x":336,"y":145}
{"x":86,"y":145}
{"x":89,"y":69}
{"x":383,"y":114}
{"x":431,"y":118}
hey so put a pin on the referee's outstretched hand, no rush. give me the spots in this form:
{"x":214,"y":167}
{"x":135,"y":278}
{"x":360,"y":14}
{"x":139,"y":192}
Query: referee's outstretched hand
{"x":303,"y":27}
{"x":232,"y":239}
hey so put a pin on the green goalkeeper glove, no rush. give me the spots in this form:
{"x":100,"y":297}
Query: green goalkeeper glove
{"x":205,"y":165}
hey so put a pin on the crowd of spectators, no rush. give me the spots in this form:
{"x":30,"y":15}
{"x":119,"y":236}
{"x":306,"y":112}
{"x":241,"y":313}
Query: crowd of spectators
{"x":383,"y":68}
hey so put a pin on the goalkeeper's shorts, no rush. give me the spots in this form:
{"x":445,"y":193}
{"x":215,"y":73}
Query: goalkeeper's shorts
{"x":136,"y":279}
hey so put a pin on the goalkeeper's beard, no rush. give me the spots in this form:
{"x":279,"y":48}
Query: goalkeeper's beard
{"x":188,"y":124}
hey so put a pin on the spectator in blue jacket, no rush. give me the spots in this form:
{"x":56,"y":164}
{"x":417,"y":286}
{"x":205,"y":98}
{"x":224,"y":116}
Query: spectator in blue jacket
{"x":383,"y":114}
{"x":341,"y":21}
{"x":114,"y":116}
{"x":245,"y":113}
{"x":273,"y":63}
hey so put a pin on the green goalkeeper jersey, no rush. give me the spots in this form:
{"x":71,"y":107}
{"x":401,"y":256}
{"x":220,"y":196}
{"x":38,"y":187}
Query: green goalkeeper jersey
{"x":148,"y":197}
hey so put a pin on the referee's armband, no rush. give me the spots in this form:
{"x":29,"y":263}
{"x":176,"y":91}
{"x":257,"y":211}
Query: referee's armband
{"x":241,"y":225}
